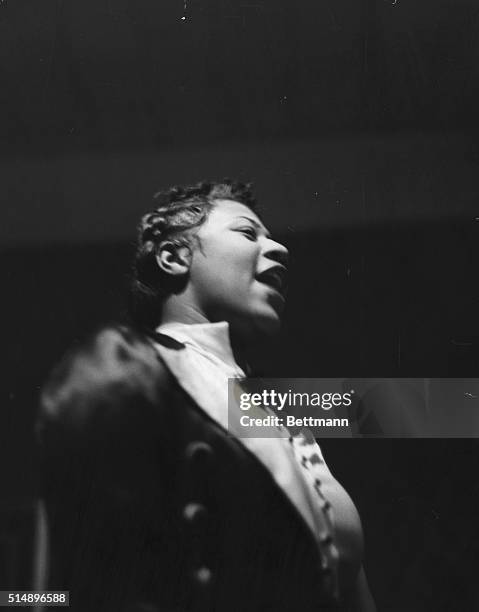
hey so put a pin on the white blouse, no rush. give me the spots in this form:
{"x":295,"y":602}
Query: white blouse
{"x":296,"y":463}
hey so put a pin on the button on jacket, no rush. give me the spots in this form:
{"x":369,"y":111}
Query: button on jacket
{"x":153,"y":505}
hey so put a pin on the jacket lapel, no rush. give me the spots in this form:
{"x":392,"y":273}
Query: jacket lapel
{"x":275,"y":452}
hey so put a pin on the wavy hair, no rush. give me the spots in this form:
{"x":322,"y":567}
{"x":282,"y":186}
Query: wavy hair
{"x":178,"y":212}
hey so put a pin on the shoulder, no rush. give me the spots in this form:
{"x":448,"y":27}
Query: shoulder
{"x":102,"y":420}
{"x":114,"y":366}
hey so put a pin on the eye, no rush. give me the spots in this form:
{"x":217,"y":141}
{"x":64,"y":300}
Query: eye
{"x":250,"y":232}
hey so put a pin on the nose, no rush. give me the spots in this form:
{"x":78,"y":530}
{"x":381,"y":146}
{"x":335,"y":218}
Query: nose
{"x":276,"y":252}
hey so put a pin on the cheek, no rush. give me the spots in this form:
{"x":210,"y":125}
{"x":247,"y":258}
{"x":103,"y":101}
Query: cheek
{"x":234,"y":264}
{"x":242,"y":273}
{"x":235,"y":279}
{"x":225,"y":273}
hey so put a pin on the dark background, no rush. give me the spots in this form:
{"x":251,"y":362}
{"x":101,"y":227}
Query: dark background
{"x":357,"y":121}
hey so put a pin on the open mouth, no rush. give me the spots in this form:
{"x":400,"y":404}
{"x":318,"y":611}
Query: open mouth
{"x":275,"y":278}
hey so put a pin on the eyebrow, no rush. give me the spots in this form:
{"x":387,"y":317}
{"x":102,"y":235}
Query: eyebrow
{"x":256,"y":224}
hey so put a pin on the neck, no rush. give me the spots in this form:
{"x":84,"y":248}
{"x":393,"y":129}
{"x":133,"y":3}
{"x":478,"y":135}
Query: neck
{"x":175,"y":310}
{"x":244,"y":350}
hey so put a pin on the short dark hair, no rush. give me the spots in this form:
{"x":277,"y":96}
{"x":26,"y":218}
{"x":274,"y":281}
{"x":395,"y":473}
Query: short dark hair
{"x":177,"y":212}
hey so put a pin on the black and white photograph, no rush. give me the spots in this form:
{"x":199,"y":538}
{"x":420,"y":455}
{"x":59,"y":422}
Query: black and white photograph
{"x":240,"y":347}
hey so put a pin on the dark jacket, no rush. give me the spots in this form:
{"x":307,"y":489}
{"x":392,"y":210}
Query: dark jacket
{"x":152,"y":506}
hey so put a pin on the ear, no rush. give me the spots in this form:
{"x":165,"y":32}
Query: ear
{"x":173,"y":258}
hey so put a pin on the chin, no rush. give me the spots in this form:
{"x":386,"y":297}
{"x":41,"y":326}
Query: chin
{"x":267,"y":324}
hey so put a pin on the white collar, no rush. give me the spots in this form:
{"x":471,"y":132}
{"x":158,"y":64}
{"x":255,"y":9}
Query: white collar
{"x":210,"y":338}
{"x":210,"y":341}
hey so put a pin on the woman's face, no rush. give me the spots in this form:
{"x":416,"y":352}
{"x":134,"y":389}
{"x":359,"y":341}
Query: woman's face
{"x":237,"y":271}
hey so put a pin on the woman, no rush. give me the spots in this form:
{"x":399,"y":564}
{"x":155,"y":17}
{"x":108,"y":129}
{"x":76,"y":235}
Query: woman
{"x":153,"y":502}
